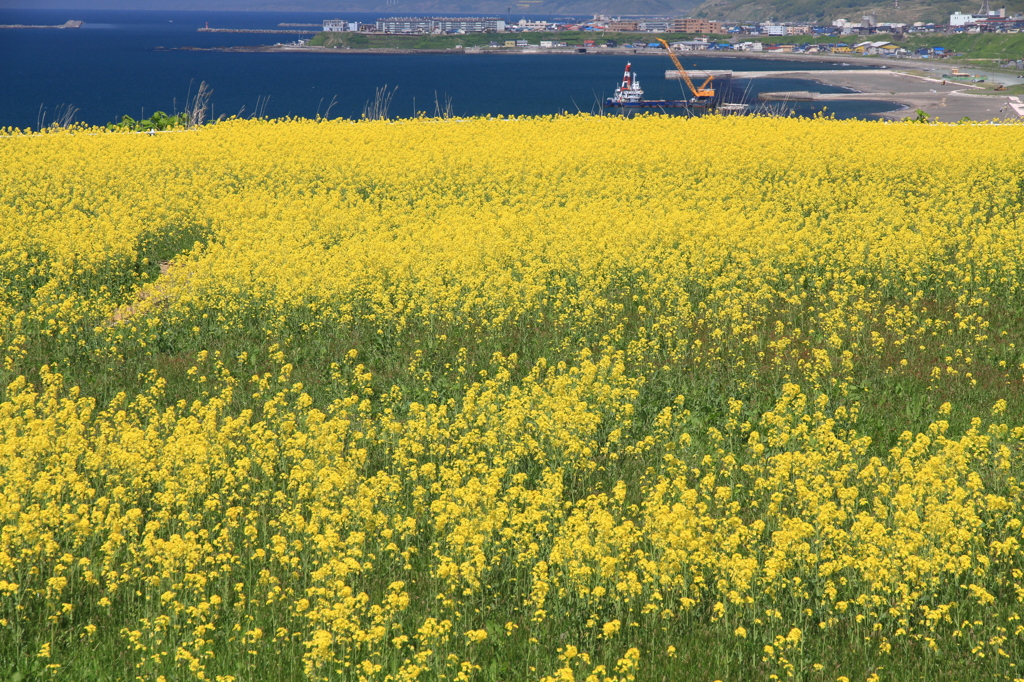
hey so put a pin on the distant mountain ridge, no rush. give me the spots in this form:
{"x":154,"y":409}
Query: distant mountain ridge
{"x":825,"y":11}
{"x":819,"y":11}
{"x":516,"y":8}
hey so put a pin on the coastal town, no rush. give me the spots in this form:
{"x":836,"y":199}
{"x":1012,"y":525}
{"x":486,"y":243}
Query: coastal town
{"x":985,"y":20}
{"x":929,"y":69}
{"x":869,"y":35}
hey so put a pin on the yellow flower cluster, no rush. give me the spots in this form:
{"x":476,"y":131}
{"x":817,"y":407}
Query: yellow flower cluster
{"x":569,"y":398}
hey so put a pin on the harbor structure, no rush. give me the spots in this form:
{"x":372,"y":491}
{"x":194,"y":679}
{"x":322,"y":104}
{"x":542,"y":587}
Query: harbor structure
{"x":67,"y":24}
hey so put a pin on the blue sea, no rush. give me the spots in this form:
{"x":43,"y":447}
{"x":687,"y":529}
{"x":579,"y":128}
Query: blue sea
{"x":128,"y":62}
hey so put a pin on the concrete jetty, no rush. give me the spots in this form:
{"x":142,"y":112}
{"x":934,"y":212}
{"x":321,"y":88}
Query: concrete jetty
{"x":672,"y":74}
{"x":701,"y":74}
{"x":791,"y":96}
{"x":67,"y":24}
{"x":256,"y":30}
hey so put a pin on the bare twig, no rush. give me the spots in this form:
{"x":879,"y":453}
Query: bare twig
{"x":377,"y":110}
{"x":64,"y":116}
{"x":196,"y":107}
{"x":444,"y":111}
{"x":261,"y":106}
{"x":334,"y":100}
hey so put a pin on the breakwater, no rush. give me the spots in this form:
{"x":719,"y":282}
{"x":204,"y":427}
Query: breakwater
{"x":672,"y":74}
{"x":66,"y":24}
{"x":256,"y":30}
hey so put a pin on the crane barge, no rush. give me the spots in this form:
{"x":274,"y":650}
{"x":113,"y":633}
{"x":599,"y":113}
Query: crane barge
{"x":629,"y":95}
{"x":705,"y":91}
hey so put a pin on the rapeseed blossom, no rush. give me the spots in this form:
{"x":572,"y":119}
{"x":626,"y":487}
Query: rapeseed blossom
{"x":569,"y":398}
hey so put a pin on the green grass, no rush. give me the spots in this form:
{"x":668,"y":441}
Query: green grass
{"x":974,"y":45}
{"x":994,"y":46}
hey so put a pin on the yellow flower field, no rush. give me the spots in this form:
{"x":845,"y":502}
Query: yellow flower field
{"x":569,"y":398}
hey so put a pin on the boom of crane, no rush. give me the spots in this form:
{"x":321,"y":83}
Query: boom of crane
{"x":703,"y":90}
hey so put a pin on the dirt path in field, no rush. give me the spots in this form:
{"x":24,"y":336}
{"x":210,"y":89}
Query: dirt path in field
{"x":155,"y":292}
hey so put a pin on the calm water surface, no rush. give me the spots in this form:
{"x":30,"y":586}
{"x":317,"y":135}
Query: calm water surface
{"x":124,"y":63}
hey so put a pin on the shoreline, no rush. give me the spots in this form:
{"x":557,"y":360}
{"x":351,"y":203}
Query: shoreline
{"x":882,"y":79}
{"x":940,"y":99}
{"x":912,"y":83}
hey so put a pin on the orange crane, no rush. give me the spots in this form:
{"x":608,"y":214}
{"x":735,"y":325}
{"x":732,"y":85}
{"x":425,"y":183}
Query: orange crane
{"x":703,"y":90}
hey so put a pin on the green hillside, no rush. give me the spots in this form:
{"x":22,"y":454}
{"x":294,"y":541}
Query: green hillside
{"x":736,"y":10}
{"x":581,"y":8}
{"x":980,"y":46}
{"x":968,"y":47}
{"x":937,"y":11}
{"x":333,"y":8}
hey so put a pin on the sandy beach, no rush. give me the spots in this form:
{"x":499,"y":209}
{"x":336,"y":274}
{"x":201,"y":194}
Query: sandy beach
{"x":937,"y":97}
{"x":916,"y":84}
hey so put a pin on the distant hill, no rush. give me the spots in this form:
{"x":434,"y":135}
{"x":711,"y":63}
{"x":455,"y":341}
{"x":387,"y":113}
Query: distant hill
{"x":908,"y":11}
{"x":736,"y":10}
{"x":332,"y":7}
{"x":502,"y":7}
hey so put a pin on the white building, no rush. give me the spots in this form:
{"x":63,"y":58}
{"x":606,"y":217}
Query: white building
{"x":440,"y":25}
{"x":336,"y":25}
{"x":405,"y":25}
{"x":957,"y":19}
{"x":468,"y":25}
{"x":654,"y":26}
{"x":697,"y":45}
{"x":773,"y":30}
{"x":536,"y":26}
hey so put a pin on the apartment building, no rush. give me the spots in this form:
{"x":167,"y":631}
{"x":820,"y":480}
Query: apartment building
{"x":696,"y":26}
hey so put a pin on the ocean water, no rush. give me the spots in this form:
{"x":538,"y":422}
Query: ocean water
{"x":124,"y":62}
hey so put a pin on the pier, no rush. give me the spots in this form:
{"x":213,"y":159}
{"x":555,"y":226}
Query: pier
{"x":696,"y":74}
{"x":700,"y":74}
{"x":790,"y":96}
{"x":257,"y":30}
{"x":66,"y":24}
